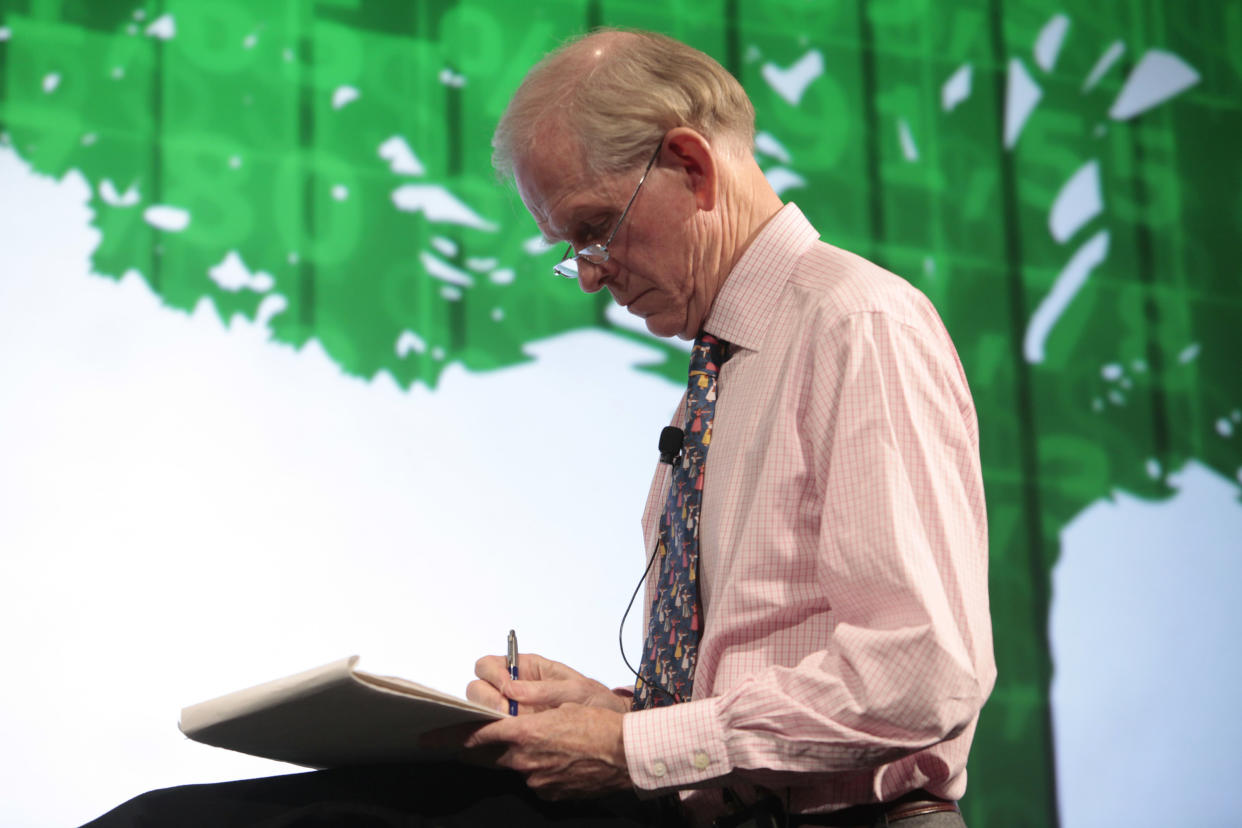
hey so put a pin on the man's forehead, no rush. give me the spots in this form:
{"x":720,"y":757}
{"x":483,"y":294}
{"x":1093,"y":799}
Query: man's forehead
{"x":557,"y":189}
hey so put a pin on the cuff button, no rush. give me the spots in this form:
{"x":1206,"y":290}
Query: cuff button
{"x":659,"y":768}
{"x":701,"y":760}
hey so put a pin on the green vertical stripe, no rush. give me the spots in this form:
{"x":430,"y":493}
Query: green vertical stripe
{"x":310,"y":181}
{"x":732,"y":40}
{"x":156,"y":274}
{"x":1145,"y":250}
{"x":1023,"y":406}
{"x":871,"y":133}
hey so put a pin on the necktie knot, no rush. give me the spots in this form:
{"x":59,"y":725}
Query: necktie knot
{"x":707,"y":355}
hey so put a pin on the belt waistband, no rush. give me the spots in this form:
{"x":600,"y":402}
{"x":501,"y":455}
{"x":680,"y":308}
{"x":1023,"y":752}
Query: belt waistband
{"x":915,"y":803}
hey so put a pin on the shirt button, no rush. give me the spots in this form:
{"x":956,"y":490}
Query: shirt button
{"x":701,"y":760}
{"x":659,"y":768}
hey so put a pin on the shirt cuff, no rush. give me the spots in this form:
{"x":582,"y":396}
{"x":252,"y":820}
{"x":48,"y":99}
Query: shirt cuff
{"x":675,"y":746}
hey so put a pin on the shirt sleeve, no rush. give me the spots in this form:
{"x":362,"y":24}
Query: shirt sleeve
{"x":901,"y":546}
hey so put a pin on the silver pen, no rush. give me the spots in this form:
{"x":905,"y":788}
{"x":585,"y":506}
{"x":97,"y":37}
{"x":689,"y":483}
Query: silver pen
{"x":511,"y":659}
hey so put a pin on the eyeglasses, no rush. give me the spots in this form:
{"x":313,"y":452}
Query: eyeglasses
{"x":598,"y":253}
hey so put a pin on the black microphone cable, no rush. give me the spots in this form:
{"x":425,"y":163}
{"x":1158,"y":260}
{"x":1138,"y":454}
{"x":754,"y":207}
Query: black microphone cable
{"x":655,"y":685}
{"x":672,"y":439}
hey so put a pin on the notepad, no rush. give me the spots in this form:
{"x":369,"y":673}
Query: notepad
{"x":331,"y":716}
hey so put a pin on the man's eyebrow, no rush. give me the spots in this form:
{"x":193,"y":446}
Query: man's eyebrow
{"x":577,"y":218}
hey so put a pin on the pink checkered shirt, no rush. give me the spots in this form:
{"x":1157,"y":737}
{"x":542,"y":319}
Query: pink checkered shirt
{"x":847,"y":646}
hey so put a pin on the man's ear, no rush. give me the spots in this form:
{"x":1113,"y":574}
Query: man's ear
{"x":689,"y":152}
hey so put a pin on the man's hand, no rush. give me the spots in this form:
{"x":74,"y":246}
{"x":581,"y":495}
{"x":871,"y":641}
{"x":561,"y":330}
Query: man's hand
{"x":544,"y":685}
{"x":566,"y":739}
{"x":567,"y":751}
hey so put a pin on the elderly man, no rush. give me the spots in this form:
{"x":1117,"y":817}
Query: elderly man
{"x":845,"y":649}
{"x":818,"y":645}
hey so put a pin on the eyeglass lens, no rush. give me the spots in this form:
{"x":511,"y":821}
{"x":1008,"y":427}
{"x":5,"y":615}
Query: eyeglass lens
{"x":567,"y":267}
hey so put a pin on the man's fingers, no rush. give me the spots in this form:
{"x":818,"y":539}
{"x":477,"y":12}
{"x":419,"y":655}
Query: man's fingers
{"x":542,"y":685}
{"x":530,"y":695}
{"x":542,"y":785}
{"x":500,"y":732}
{"x":531,"y":666}
{"x":481,"y":692}
{"x":445,"y":738}
{"x":542,"y":694}
{"x":570,"y":751}
{"x":491,"y":669}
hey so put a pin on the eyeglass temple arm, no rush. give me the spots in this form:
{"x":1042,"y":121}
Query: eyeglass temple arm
{"x":626,"y":211}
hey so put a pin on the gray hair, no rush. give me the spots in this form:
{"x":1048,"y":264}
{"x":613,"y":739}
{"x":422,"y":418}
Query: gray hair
{"x":619,"y":106}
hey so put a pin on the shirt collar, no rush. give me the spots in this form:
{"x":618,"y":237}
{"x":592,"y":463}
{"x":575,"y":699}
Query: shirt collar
{"x":743,"y":307}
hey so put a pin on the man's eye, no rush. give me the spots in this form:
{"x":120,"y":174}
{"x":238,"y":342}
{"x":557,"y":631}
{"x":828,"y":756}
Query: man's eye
{"x":596,"y":231}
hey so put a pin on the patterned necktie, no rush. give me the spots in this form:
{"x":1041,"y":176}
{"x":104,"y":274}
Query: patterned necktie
{"x":676,"y":617}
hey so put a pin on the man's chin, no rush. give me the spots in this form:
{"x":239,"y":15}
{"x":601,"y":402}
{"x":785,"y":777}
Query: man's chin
{"x":664,"y":329}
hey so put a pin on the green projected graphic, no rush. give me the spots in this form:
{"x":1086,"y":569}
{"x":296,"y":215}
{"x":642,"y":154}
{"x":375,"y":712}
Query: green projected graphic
{"x":1061,"y":178}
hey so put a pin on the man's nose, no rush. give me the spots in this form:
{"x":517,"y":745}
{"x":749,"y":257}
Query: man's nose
{"x":591,"y":276}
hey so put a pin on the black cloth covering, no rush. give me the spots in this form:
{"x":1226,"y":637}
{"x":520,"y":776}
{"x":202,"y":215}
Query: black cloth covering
{"x":444,"y":795}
